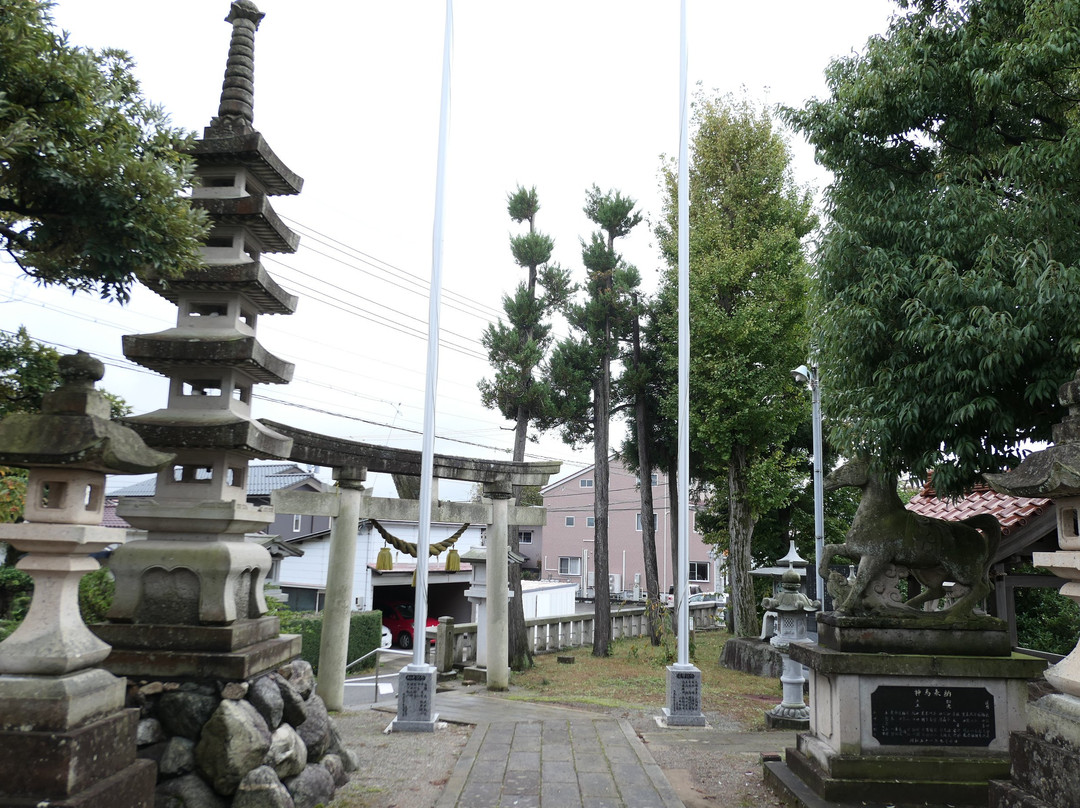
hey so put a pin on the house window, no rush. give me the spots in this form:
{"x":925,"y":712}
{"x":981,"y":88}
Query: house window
{"x":585,"y":483}
{"x":654,"y":479}
{"x":524,"y":537}
{"x":637,"y":521}
{"x":569,"y":521}
{"x":569,"y":565}
{"x":297,"y":522}
{"x":699,"y":570}
{"x":590,"y":521}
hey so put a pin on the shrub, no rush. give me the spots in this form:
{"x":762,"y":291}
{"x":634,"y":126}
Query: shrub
{"x":365,"y":633}
{"x":15,"y":587}
{"x":96,"y":590}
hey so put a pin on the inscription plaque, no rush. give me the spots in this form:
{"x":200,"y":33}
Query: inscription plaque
{"x":932,"y":716}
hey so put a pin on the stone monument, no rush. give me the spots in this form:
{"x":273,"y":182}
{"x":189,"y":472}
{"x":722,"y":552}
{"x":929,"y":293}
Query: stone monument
{"x":65,"y":737}
{"x":1046,"y":754}
{"x":907,"y":706}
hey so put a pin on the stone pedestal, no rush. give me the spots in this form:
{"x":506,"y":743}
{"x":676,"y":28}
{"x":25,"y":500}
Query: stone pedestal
{"x":1045,"y":758}
{"x":907,"y":728}
{"x":683,"y":697}
{"x":416,"y":699}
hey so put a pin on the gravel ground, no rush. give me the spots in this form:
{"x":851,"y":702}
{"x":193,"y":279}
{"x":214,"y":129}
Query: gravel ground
{"x":409,"y":770}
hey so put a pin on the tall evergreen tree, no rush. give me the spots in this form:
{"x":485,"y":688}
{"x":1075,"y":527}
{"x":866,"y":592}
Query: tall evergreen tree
{"x":747,"y":318}
{"x":516,"y":350}
{"x":580,"y":368}
{"x":648,"y":444}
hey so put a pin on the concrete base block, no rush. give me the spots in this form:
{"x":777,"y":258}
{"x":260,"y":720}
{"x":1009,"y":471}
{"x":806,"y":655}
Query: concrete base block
{"x":977,"y":636}
{"x":56,"y":765}
{"x":169,"y":637}
{"x":1045,"y":759}
{"x":131,"y":787}
{"x":246,"y":663}
{"x":60,"y":703}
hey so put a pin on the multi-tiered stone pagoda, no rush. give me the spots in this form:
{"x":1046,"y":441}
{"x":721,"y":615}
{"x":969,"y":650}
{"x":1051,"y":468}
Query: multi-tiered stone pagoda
{"x":195,"y":586}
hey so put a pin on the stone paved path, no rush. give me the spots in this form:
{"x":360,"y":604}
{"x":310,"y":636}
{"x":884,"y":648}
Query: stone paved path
{"x":557,"y":763}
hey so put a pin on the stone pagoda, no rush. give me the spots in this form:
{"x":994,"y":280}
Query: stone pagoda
{"x":189,"y":600}
{"x":65,"y":736}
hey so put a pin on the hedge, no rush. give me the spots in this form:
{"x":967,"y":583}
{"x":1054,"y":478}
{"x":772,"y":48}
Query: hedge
{"x":365,"y":634}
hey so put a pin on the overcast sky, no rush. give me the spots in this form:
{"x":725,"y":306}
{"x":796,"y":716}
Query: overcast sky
{"x":559,"y":94}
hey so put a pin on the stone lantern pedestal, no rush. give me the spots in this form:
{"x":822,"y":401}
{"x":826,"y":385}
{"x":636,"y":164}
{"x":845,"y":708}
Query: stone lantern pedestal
{"x":65,"y":737}
{"x":1046,"y":755}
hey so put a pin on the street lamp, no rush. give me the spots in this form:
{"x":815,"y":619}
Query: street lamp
{"x":809,"y":375}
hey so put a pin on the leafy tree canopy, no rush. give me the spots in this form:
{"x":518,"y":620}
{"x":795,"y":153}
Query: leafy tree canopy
{"x":949,"y":272}
{"x":90,"y":172}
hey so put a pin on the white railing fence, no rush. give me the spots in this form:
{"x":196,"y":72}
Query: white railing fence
{"x":550,"y":634}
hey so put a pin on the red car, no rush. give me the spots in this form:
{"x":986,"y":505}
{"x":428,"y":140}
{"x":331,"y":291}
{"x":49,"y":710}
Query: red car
{"x":398,"y":617}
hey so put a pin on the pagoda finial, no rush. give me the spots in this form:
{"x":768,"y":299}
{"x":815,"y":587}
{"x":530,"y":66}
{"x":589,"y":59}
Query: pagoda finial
{"x":236,"y":110}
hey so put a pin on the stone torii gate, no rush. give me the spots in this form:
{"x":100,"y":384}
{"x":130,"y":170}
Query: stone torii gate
{"x":351,"y":461}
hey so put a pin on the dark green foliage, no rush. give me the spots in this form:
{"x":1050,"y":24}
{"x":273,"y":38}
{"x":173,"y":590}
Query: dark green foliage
{"x":90,"y":172}
{"x":28,"y":370}
{"x":365,"y":633}
{"x":15,"y":585}
{"x":96,"y":591}
{"x":1045,"y":619}
{"x":949,"y":272}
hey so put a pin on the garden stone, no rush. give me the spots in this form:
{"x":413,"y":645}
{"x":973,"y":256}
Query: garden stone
{"x":148,"y":732}
{"x":315,"y":731}
{"x":333,"y":764}
{"x":178,"y":758}
{"x":265,"y":696}
{"x":294,"y":710}
{"x":348,"y":757}
{"x":312,"y":787}
{"x":234,"y":690}
{"x":189,"y":791}
{"x":234,"y":741}
{"x":261,"y":788}
{"x":301,"y":676}
{"x":184,"y":712}
{"x":287,"y":755}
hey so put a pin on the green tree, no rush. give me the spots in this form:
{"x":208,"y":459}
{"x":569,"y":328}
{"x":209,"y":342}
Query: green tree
{"x":948,"y":276}
{"x":580,"y":368}
{"x":747,"y":319}
{"x":516,"y":350}
{"x":648,"y":444}
{"x":90,"y":172}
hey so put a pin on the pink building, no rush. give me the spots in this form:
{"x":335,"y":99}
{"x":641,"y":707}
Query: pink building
{"x":566,"y":551}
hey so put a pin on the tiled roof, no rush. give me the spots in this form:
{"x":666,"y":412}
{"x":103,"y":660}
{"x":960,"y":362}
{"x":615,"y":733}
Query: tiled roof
{"x":262,"y":479}
{"x":1012,"y":512}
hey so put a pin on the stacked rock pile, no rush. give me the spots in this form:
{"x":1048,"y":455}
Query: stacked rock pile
{"x":264,"y":743}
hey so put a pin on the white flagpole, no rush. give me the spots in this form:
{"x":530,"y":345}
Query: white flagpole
{"x":683,"y":613}
{"x":427,"y":457}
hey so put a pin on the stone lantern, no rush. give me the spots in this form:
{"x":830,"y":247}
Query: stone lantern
{"x":58,"y":712}
{"x":792,"y":607}
{"x":1051,"y":745}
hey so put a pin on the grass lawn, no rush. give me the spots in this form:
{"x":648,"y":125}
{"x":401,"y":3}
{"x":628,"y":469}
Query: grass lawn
{"x":634,"y":677}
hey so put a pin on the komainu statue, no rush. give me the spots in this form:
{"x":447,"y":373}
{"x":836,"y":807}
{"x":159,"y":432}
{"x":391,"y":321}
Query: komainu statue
{"x":886,"y":537}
